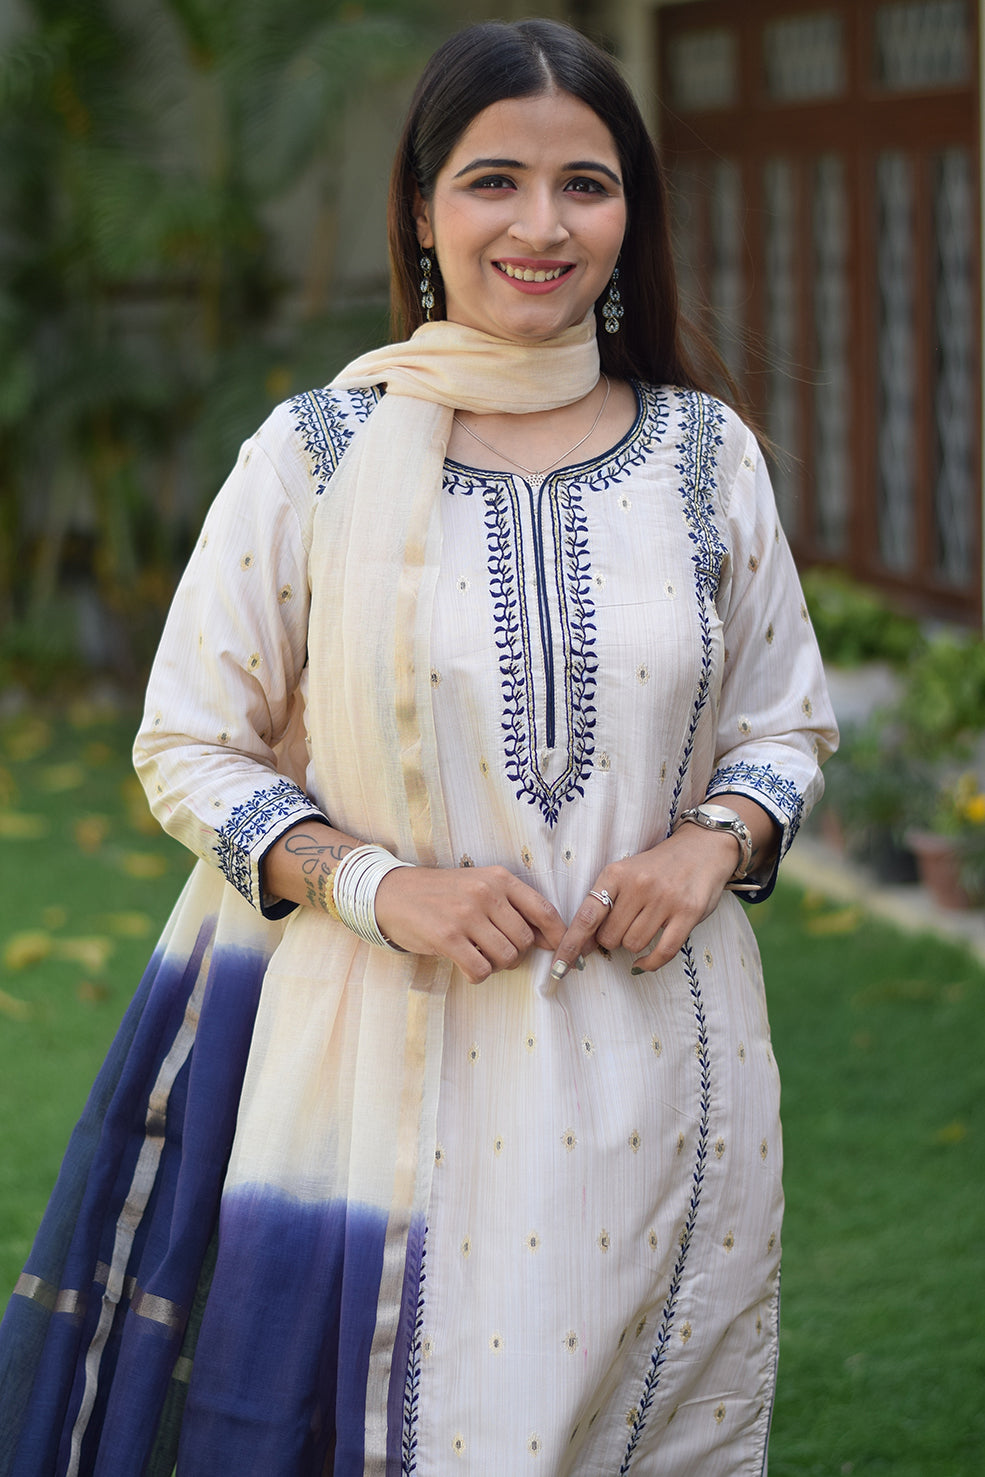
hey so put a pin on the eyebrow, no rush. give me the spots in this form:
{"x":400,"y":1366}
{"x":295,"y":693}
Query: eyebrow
{"x":590,"y":164}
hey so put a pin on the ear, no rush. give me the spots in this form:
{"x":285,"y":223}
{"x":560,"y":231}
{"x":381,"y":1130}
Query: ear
{"x":422,"y":219}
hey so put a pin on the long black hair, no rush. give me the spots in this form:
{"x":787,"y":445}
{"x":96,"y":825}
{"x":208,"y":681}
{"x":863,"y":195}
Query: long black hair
{"x":488,"y":63}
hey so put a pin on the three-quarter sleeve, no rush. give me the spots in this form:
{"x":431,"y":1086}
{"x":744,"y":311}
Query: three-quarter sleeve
{"x":223,"y":688}
{"x":776,"y":725}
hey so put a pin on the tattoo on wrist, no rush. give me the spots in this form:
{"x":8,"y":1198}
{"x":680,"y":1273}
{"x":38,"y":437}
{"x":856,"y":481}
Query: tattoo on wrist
{"x":313,"y":852}
{"x":317,"y":869}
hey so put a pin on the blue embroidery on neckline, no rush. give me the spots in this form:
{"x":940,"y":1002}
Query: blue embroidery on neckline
{"x":555,"y":524}
{"x":598,"y":473}
{"x":548,"y":527}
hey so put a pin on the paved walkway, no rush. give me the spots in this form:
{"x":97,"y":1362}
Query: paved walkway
{"x":811,"y":863}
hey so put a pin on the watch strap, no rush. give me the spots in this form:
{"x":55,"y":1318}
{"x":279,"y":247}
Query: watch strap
{"x":715,"y":817}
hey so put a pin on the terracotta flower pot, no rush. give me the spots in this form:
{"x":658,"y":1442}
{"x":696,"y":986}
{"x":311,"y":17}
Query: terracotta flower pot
{"x":939,"y":865}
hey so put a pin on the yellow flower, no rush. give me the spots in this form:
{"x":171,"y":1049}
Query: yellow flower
{"x":974,"y":809}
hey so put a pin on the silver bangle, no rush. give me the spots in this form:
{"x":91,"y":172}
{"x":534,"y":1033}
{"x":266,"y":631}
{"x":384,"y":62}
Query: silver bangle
{"x":354,"y":886}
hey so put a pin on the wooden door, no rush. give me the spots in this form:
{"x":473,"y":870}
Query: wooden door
{"x":823,"y":157}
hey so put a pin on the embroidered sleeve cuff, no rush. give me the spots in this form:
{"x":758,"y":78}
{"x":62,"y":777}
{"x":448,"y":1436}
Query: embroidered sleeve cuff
{"x":779,"y":797}
{"x":250,"y":832}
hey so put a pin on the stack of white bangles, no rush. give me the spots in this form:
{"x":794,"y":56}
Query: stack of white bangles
{"x":354,"y":886}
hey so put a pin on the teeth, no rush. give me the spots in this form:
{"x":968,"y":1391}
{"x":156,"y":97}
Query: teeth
{"x":527,"y":274}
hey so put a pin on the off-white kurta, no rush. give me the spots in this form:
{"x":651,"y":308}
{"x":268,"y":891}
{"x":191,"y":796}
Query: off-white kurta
{"x":600,"y":1280}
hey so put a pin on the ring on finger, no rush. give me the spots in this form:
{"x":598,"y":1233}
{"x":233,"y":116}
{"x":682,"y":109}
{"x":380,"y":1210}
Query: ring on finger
{"x":602,"y":896}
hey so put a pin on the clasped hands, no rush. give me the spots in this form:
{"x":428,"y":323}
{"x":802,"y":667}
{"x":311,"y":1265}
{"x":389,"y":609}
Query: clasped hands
{"x":485,"y":919}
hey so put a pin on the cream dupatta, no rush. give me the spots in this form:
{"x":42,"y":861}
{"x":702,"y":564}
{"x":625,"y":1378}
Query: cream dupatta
{"x":340,"y":1095}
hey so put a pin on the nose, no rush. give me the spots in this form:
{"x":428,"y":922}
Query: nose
{"x":538,"y":223}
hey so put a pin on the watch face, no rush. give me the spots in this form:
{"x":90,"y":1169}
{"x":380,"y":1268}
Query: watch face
{"x":719,"y":814}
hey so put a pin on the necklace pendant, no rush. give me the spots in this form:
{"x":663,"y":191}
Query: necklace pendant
{"x":537,"y":479}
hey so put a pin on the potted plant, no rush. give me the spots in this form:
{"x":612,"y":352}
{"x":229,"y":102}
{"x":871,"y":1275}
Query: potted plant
{"x":878,"y":790}
{"x":941,"y":713}
{"x":951,"y":853}
{"x":942,"y":705}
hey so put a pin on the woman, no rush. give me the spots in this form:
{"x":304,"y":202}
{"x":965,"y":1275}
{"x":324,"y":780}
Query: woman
{"x":458,"y":1013}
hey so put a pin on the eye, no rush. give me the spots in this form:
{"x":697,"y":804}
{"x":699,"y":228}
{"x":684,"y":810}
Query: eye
{"x":582,"y":185}
{"x":492,"y":182}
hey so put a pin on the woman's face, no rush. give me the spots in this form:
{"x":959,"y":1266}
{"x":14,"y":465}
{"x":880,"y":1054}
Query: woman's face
{"x":527,"y":217}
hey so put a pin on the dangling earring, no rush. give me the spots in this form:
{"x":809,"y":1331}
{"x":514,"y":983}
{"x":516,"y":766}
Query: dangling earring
{"x":427,"y":291}
{"x":612,"y":308}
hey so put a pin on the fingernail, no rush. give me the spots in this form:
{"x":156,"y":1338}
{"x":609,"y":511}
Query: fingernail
{"x":603,"y":951}
{"x":559,"y":969}
{"x":636,"y":970}
{"x":580,"y":962}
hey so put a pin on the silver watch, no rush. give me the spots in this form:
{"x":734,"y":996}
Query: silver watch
{"x":719,"y":818}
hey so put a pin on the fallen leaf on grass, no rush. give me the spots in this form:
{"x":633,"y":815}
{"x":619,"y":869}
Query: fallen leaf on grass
{"x":92,"y":953}
{"x":844,"y":920}
{"x":22,"y":950}
{"x":57,"y":778}
{"x":951,"y":1133}
{"x":87,"y":712}
{"x":90,"y":831}
{"x":144,"y":864}
{"x":33,"y":946}
{"x":15,"y":825}
{"x":17,"y":1010}
{"x":893,"y":990}
{"x":98,"y":753}
{"x":128,"y":925}
{"x":27,"y":739}
{"x":91,"y":994}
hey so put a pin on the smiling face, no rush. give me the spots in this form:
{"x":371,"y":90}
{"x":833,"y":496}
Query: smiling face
{"x":527,"y":217}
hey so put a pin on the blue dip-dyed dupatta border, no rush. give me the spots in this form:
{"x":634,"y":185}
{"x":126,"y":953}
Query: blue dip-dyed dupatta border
{"x":91,"y":1347}
{"x":128,"y":1344}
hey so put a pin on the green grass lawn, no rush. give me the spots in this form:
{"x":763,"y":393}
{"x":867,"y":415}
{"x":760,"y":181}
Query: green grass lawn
{"x":880,"y":1042}
{"x":880,"y":1039}
{"x":87,"y":879}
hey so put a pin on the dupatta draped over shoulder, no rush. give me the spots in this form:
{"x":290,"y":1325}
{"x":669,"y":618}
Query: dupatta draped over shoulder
{"x":272,"y":1333}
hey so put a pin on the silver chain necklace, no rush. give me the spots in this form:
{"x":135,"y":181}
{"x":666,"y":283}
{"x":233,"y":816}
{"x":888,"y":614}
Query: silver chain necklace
{"x":536,"y":478}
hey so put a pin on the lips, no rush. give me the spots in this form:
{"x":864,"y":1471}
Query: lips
{"x":525,"y":272}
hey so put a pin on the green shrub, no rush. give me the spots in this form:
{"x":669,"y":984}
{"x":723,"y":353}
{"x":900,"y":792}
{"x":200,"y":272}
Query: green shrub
{"x":942,"y":706}
{"x":855,"y":624}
